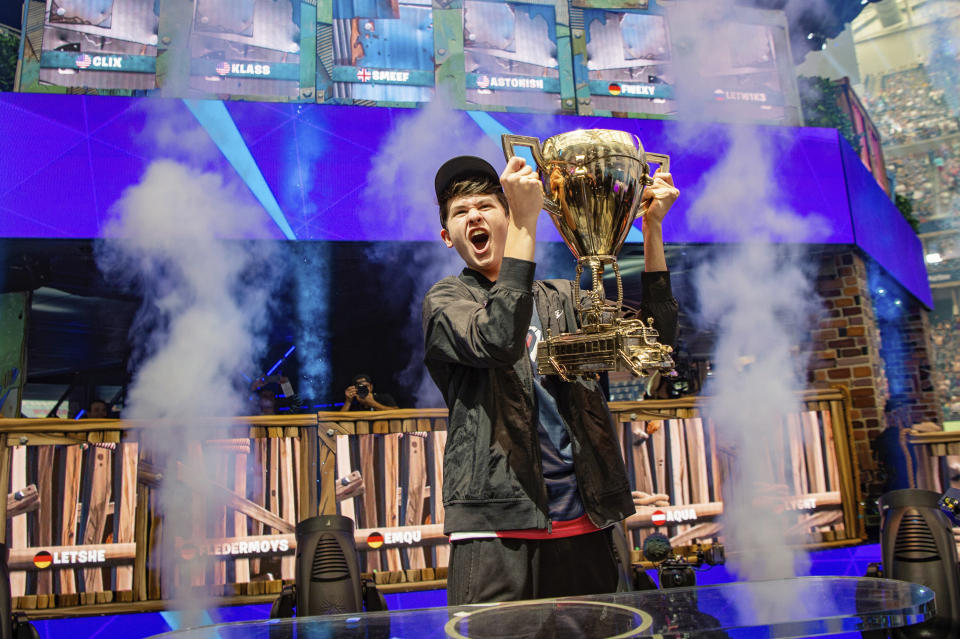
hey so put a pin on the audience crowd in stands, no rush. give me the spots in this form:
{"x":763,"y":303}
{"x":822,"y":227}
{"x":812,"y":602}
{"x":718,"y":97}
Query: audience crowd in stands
{"x":908,"y":107}
{"x":920,"y":105}
{"x":946,"y":349}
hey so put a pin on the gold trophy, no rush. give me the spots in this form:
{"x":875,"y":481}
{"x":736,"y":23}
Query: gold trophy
{"x":592,"y":181}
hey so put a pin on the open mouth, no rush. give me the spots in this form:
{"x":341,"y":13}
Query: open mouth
{"x":480,"y":239}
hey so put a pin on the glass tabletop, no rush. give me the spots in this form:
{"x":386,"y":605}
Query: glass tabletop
{"x":800,"y":607}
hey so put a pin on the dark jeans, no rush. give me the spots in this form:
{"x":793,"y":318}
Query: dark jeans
{"x":486,"y":570}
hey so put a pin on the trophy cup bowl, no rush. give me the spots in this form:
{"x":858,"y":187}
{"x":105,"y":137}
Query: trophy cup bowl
{"x":592,"y":181}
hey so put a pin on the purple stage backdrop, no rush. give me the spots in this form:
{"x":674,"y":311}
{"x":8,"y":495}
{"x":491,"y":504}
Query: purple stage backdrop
{"x":359,"y":173}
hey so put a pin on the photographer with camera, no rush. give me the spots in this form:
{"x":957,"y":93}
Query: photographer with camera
{"x":360,"y":396}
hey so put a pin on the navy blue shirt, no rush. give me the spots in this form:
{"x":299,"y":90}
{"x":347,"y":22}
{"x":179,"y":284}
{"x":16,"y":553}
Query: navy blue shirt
{"x":556,"y":452}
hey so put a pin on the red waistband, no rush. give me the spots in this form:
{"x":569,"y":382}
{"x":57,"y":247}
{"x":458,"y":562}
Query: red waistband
{"x":579,"y":526}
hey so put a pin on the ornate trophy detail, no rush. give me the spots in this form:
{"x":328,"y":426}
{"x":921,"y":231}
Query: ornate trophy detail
{"x":592,"y":181}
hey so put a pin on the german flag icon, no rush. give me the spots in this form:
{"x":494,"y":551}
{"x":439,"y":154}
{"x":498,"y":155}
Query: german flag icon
{"x":42,"y":559}
{"x":614,"y":89}
{"x":374,"y":540}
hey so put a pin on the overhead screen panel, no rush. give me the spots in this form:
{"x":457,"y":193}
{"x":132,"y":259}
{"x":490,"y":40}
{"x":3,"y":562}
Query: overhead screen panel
{"x":586,"y":57}
{"x":488,"y":55}
{"x":623,"y":61}
{"x":101,"y":44}
{"x":746,"y":78}
{"x":316,"y":161}
{"x":242,"y":49}
{"x":376,"y":52}
{"x":516,"y":57}
{"x":638,"y":60}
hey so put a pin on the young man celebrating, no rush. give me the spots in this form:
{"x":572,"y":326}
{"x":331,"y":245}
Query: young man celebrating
{"x":533,"y":477}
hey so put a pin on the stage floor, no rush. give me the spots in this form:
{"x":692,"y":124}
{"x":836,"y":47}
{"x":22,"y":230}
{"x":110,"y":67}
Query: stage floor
{"x":800,"y":607}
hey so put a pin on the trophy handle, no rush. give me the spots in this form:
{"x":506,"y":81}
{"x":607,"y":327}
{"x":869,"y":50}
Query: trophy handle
{"x":659,"y":158}
{"x":509,"y":141}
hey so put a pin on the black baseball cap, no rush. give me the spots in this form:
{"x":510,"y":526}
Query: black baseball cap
{"x":461,"y":167}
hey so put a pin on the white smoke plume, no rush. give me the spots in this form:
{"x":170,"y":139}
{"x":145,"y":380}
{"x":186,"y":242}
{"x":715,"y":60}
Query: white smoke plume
{"x":399,"y":186}
{"x":185,"y":240}
{"x":756,"y":295}
{"x":400,"y":194}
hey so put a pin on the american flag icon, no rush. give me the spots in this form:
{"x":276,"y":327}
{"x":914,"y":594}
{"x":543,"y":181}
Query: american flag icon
{"x":223,"y":68}
{"x":83,"y":61}
{"x":483,"y":81}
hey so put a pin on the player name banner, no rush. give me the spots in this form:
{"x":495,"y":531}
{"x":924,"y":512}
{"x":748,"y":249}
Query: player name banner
{"x":72,"y":556}
{"x":85,"y":61}
{"x":629,"y":89}
{"x":365,"y":75}
{"x":768,"y":99}
{"x":239,"y":69}
{"x":259,"y":546}
{"x":493,"y":82}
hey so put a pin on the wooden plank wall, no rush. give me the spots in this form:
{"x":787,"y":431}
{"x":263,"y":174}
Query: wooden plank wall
{"x":69,"y":496}
{"x":384,"y":470}
{"x":679,"y":466}
{"x":401,"y":475}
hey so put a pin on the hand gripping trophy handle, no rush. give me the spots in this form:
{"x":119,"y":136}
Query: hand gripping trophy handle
{"x":509,"y":141}
{"x":660,"y":159}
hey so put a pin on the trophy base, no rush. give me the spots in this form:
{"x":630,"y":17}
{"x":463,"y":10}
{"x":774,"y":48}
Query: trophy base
{"x":625,"y":345}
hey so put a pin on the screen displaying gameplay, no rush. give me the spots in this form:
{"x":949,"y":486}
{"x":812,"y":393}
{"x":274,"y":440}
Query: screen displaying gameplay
{"x":377,"y":52}
{"x":511,"y":57}
{"x":245,"y":48}
{"x":628,"y":62}
{"x":102,"y":44}
{"x":744,"y":77}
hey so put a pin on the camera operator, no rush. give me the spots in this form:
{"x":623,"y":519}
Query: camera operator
{"x":360,"y":396}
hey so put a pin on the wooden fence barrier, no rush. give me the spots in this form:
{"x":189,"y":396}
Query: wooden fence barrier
{"x":681,"y":466}
{"x":87,"y":526}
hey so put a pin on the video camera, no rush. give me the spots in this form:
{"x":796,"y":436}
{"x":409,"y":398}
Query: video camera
{"x":677,"y":571}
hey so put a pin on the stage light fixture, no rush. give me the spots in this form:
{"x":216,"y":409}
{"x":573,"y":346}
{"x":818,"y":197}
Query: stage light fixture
{"x":327,"y":571}
{"x":917,"y":545}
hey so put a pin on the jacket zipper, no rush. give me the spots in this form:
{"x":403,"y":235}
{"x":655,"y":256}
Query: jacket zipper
{"x":580,"y":488}
{"x":536,"y":416}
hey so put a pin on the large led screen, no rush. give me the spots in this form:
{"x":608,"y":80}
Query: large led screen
{"x":366,"y":174}
{"x":102,"y":44}
{"x":512,"y":57}
{"x":376,"y":52}
{"x":625,"y":65}
{"x":743,"y":79}
{"x":248,"y":49}
{"x":244,"y":48}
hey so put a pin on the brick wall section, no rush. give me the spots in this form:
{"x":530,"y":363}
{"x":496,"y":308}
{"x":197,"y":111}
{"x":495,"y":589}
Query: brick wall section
{"x":846,"y":343}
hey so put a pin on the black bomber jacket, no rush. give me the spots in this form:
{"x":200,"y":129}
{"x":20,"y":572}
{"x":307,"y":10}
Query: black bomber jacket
{"x":475,"y":350}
